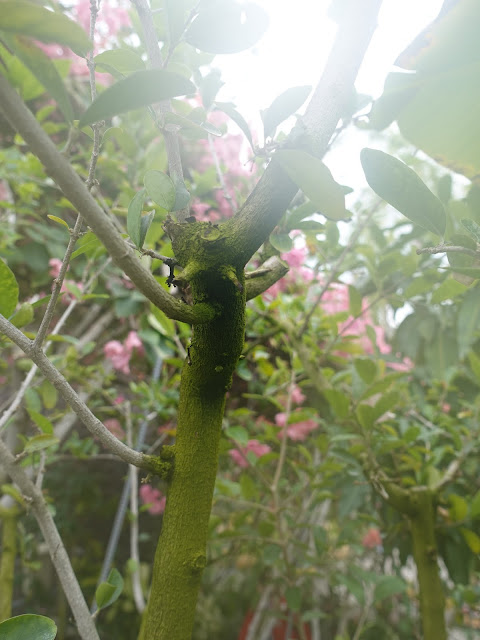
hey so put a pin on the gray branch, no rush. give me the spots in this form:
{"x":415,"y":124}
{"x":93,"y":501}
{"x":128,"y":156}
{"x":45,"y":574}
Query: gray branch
{"x":256,"y":282}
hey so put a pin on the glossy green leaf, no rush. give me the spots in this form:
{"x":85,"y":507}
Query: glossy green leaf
{"x":41,"y":442}
{"x":14,"y":493}
{"x":472,"y":539}
{"x":108,"y":592}
{"x":458,"y":507}
{"x":228,"y":27}
{"x":239,"y":120}
{"x":59,"y":220}
{"x":29,"y":627}
{"x":468,"y":322}
{"x":134,"y":217}
{"x":366,"y":369}
{"x":8,"y":290}
{"x":145,"y":223}
{"x":475,"y":505}
{"x":43,"y":69}
{"x":473,"y":229}
{"x":33,"y":20}
{"x":163,"y":324}
{"x":42,"y":422}
{"x":401,"y":187}
{"x":23,"y":316}
{"x":284,"y":105}
{"x":160,"y":188}
{"x":237,"y":433}
{"x":387,"y":587}
{"x":316,"y":182}
{"x":139,"y":89}
{"x":182,"y":196}
{"x":448,"y":290}
{"x":125,"y":61}
{"x":281,"y":241}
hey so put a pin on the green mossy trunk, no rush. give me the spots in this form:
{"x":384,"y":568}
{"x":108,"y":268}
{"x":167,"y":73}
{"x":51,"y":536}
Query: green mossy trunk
{"x":7,"y":562}
{"x":431,"y":593}
{"x":206,"y":377}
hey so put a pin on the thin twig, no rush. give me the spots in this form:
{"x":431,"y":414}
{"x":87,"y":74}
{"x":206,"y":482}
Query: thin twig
{"x":447,"y":248}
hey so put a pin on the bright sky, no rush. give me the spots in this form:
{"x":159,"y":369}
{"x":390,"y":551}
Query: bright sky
{"x":293,"y":52}
{"x":297,"y":43}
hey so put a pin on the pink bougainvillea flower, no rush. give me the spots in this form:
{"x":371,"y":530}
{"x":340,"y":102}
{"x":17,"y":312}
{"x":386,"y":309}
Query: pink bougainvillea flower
{"x":297,"y":395}
{"x":256,"y":447}
{"x":55,"y":265}
{"x":372,"y":539}
{"x":154,"y":498}
{"x":120,"y":354}
{"x":297,"y":431}
{"x":115,"y":428}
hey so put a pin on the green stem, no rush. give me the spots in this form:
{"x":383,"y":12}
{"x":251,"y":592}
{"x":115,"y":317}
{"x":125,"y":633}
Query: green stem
{"x":7,"y":561}
{"x":432,"y":596}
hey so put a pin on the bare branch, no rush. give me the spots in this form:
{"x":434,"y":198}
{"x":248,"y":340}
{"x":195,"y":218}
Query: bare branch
{"x":448,"y":248}
{"x":71,"y":397}
{"x":256,"y":282}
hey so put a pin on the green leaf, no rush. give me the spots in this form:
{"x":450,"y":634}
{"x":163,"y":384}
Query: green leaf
{"x":448,"y":290}
{"x":387,"y":587}
{"x":145,"y":223}
{"x":281,"y":242}
{"x":459,"y":507}
{"x":239,"y":434}
{"x":239,"y":120}
{"x":163,"y":323}
{"x":339,"y":402}
{"x":23,"y":316}
{"x":366,"y":369}
{"x":468,"y":322}
{"x":134,"y":217}
{"x":108,"y":592}
{"x":475,"y":506}
{"x":182,"y":195}
{"x":401,"y":187}
{"x":28,"y":626}
{"x":43,"y":69}
{"x":59,"y":220}
{"x":14,"y":493}
{"x":201,"y":129}
{"x":140,"y":89}
{"x":355,"y":301}
{"x":284,"y":105}
{"x":38,"y":443}
{"x":160,"y":188}
{"x":8,"y":290}
{"x":293,"y":596}
{"x":462,"y":240}
{"x":365,"y":415}
{"x":472,"y":539}
{"x":316,"y":182}
{"x":42,"y":422}
{"x":473,"y":228}
{"x":125,"y":61}
{"x":31,"y":19}
{"x":227,"y":27}
{"x":175,"y":19}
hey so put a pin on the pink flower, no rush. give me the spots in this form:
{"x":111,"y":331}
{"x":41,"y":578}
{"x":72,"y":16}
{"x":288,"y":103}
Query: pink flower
{"x":256,"y":447}
{"x":115,"y":428}
{"x":297,"y":431}
{"x":55,"y":265}
{"x":120,"y":354}
{"x":297,"y":395}
{"x":372,"y":539}
{"x":153,"y":498}
{"x":295,"y":257}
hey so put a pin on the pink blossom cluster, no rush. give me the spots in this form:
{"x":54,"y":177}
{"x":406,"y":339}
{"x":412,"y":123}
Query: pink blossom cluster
{"x":154,"y":498}
{"x":297,"y":431}
{"x":110,"y":19}
{"x":372,"y":539}
{"x":55,"y":266}
{"x":298,"y":273}
{"x":240,"y":455}
{"x":120,"y":354}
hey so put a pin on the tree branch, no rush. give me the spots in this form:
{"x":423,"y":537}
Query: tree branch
{"x":71,"y":397}
{"x":447,"y":248}
{"x":58,"y":554}
{"x":267,"y":203}
{"x":256,"y":282}
{"x":23,"y":121}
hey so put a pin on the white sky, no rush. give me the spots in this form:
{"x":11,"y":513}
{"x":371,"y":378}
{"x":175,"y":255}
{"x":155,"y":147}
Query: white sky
{"x":293,"y":52}
{"x":295,"y":48}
